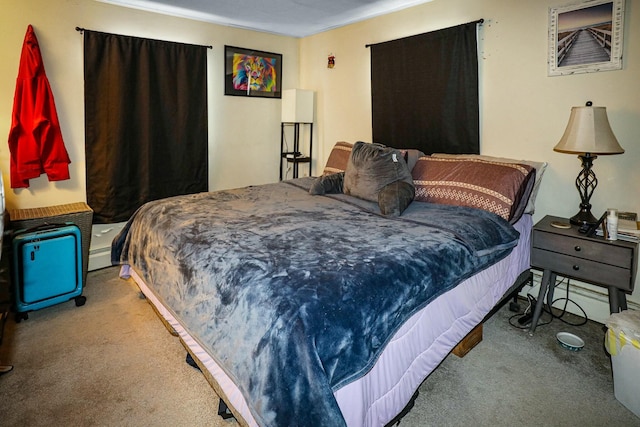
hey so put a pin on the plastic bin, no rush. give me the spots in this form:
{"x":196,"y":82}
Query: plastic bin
{"x":623,"y":344}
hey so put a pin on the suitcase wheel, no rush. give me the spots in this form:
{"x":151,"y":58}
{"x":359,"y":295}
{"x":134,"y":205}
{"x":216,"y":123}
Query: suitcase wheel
{"x":21,"y":316}
{"x":80,"y":300}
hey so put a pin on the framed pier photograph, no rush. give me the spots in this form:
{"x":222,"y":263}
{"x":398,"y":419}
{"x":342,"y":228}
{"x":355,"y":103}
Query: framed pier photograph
{"x":586,"y":37}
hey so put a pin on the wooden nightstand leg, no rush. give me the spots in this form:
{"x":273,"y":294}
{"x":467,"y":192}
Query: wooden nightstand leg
{"x":617,"y":300}
{"x":548,"y":277}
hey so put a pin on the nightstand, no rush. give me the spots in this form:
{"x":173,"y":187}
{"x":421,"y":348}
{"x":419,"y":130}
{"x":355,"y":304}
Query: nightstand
{"x":567,"y":252}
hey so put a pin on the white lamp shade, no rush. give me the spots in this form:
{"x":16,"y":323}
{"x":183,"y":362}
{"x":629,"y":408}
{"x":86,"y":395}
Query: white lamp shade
{"x":588,"y":131}
{"x":297,"y":106}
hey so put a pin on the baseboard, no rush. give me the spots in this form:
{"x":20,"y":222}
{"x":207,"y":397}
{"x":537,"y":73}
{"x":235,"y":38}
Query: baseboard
{"x":100,"y":250}
{"x":99,"y":259}
{"x":594,"y":300}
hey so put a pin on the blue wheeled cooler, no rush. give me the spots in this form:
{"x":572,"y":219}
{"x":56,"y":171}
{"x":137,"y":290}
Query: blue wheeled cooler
{"x":46,"y":267}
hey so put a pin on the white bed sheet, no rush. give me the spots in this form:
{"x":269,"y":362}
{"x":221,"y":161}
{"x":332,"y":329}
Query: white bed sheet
{"x":412,"y":354}
{"x":427,"y":338}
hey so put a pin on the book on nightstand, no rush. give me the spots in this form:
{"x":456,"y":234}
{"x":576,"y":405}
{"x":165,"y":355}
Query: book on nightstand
{"x":628,"y":221}
{"x":627,"y":227}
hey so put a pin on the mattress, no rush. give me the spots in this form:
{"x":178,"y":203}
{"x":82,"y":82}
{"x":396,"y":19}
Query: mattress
{"x":414,"y":351}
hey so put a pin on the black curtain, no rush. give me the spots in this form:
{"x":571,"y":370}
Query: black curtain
{"x":424,"y":91}
{"x":145,"y":122}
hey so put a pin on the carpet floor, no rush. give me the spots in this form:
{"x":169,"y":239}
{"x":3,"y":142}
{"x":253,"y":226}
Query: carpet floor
{"x":112,"y":362}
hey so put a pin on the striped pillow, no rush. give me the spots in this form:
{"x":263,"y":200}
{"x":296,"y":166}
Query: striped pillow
{"x":540,"y":167}
{"x":339,"y":157}
{"x":501,"y":188}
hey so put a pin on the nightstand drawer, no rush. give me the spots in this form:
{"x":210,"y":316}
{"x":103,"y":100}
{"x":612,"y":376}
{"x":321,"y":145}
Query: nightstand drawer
{"x":593,"y":250}
{"x":583,"y":269}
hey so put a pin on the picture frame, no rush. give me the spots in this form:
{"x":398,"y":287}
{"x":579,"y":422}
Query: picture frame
{"x":263,"y":68}
{"x":586,"y":37}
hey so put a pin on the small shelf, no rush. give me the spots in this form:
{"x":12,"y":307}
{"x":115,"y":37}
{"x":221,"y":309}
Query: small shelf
{"x":299,"y":160}
{"x":296,"y":157}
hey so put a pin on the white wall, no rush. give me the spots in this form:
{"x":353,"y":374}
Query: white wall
{"x":244,"y":134}
{"x":523,"y":111}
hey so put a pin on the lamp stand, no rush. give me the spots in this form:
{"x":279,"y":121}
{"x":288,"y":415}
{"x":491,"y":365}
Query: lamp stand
{"x":586,"y":182}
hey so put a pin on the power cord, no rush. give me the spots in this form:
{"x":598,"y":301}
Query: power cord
{"x":524,"y":319}
{"x":286,"y":143}
{"x":286,"y":150}
{"x":564,"y":311}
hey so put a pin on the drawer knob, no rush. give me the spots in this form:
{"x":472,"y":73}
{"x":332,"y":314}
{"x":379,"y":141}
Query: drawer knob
{"x":577,"y":248}
{"x":576,"y":267}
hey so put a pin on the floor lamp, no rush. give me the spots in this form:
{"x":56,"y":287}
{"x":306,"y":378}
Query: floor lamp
{"x":588,"y":134}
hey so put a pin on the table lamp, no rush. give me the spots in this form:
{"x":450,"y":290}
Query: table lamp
{"x":588,"y":133}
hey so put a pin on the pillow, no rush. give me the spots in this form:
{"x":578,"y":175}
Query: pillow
{"x":539,"y":166}
{"x":501,"y":188}
{"x":371,"y":168}
{"x":338,"y":158}
{"x":411,"y":156}
{"x":394,"y":198}
{"x":327,"y":184}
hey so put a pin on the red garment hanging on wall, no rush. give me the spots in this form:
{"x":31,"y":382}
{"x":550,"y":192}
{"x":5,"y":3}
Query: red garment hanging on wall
{"x":35,"y":139}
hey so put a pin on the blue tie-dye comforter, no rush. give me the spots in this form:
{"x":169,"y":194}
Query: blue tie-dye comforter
{"x":296,"y":295}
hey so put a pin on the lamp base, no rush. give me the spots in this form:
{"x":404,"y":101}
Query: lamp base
{"x":583,"y":217}
{"x":586,"y":182}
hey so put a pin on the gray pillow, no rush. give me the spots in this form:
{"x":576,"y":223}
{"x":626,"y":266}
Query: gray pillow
{"x":394,"y":198}
{"x":327,"y":184}
{"x":411,"y":155}
{"x":371,"y":168}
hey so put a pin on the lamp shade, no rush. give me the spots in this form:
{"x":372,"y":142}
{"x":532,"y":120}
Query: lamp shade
{"x":588,"y":131}
{"x":297,"y":106}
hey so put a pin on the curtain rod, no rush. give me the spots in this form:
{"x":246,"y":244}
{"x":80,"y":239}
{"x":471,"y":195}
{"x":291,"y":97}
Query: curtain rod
{"x":81,"y":30}
{"x":479,"y":22}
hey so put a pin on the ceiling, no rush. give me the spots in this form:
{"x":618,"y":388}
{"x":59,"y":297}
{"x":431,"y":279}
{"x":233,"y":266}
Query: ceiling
{"x":297,"y":18}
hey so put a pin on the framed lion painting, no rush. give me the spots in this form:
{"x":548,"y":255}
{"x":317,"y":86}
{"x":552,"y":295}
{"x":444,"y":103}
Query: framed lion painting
{"x":249,"y":72}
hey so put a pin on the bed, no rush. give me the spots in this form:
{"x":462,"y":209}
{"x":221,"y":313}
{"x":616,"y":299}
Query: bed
{"x":327,"y":301}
